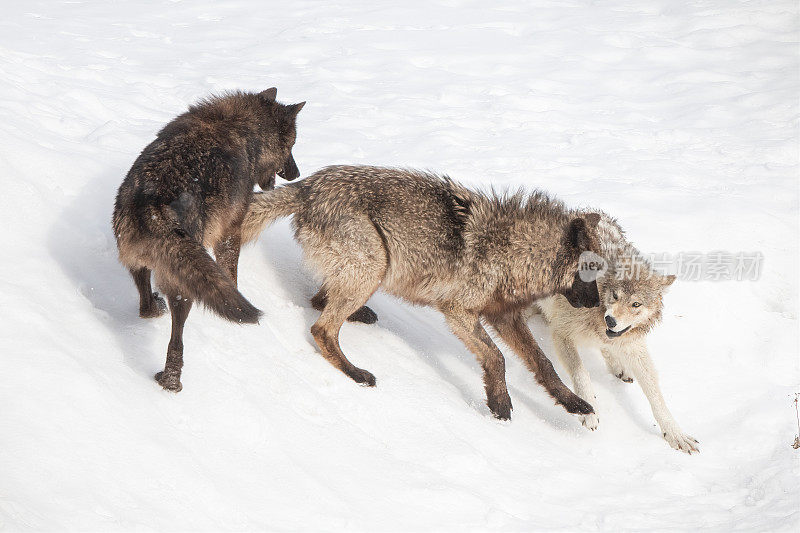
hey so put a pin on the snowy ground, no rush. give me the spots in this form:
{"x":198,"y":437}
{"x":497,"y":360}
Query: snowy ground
{"x":680,"y":118}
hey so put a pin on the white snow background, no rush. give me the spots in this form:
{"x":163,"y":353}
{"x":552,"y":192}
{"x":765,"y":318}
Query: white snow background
{"x":679,"y":118}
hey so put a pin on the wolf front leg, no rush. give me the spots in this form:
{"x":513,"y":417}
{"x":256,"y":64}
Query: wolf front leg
{"x":581,"y":382}
{"x":615,"y":366}
{"x":512,"y":328}
{"x":466,"y":325}
{"x":637,"y":358}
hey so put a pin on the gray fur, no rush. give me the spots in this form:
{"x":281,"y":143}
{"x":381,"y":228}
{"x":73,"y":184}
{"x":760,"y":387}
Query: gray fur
{"x":434,"y":242}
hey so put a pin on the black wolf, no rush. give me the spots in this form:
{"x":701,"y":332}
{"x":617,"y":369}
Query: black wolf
{"x":189,"y":190}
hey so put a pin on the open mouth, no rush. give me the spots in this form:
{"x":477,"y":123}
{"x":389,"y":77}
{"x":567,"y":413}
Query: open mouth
{"x":613,"y":334}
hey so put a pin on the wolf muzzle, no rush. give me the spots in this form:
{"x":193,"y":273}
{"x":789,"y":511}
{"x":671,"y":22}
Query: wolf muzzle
{"x":289,"y":171}
{"x":615,"y":334}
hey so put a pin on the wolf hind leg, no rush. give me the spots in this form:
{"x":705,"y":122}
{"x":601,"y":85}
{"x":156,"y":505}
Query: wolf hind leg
{"x":352,"y":259}
{"x":364,"y":315}
{"x":342,"y":301}
{"x":170,"y":377}
{"x":226,"y":254}
{"x":151,"y":305}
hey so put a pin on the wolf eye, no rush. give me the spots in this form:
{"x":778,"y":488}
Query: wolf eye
{"x":636,"y":304}
{"x":614,"y":295}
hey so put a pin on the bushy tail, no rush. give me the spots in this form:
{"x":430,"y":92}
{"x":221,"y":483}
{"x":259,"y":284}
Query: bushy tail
{"x":268,"y":206}
{"x":187,"y":266}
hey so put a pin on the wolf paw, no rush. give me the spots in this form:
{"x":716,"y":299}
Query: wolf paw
{"x":576,"y":405}
{"x":156,"y":308}
{"x":362,"y":377}
{"x":682,"y":442}
{"x":625,"y":377}
{"x":500,"y":406}
{"x":169,"y":381}
{"x":364,"y":315}
{"x":590,"y":422}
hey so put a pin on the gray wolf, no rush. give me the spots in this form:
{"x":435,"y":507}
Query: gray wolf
{"x":433,"y":242}
{"x":189,"y":190}
{"x":631,"y":296}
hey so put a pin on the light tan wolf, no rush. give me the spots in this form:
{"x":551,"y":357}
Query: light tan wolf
{"x":631,"y":304}
{"x":433,"y":242}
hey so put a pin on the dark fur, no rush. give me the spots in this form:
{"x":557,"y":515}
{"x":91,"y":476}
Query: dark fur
{"x":189,"y":190}
{"x":433,"y":242}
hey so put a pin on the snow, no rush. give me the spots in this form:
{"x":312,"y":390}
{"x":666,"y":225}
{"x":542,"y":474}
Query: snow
{"x":679,"y":118}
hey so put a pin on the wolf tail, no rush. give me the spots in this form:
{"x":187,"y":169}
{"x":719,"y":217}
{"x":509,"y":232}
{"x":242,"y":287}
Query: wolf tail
{"x":268,"y":206}
{"x":187,"y":266}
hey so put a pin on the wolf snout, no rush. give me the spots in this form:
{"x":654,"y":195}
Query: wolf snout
{"x":289,"y":171}
{"x":610,"y":322}
{"x":290,"y":174}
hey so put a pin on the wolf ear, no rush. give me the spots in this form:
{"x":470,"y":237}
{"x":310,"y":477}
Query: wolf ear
{"x":579,"y":233}
{"x":583,"y":293}
{"x":295,"y":109}
{"x":666,"y":281}
{"x":592,"y":219}
{"x":269,"y":95}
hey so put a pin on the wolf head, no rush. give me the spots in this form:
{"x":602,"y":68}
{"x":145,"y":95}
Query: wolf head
{"x":631,"y":298}
{"x":280,"y":161}
{"x":582,"y":237}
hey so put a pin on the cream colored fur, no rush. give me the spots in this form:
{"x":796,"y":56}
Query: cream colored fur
{"x":626,"y":356}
